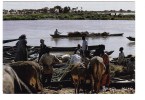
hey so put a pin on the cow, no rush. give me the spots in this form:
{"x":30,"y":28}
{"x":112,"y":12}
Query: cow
{"x":29,"y":72}
{"x":12,"y":84}
{"x":97,"y":69}
{"x":78,"y":74}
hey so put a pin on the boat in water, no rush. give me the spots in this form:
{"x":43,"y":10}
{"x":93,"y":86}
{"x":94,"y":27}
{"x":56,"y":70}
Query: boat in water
{"x":80,"y":34}
{"x":131,"y":38}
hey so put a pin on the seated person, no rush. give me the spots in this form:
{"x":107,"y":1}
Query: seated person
{"x":76,"y":58}
{"x":131,"y":65}
{"x":78,"y":50}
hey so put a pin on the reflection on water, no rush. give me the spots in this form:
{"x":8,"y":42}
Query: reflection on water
{"x":131,"y":44}
{"x":56,"y":40}
{"x":74,"y":38}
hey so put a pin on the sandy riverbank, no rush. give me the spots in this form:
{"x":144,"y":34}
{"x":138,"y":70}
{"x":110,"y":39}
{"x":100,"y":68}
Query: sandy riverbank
{"x":71,"y":91}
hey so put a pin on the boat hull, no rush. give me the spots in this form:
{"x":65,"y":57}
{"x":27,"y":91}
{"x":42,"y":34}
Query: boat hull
{"x":131,"y":38}
{"x":91,"y":35}
{"x":57,"y":49}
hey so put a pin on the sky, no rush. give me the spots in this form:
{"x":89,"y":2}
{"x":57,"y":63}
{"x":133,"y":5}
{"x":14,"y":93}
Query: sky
{"x":86,"y":5}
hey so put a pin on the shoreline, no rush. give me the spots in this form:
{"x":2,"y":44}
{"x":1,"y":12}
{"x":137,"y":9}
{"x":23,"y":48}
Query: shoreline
{"x":69,"y":16}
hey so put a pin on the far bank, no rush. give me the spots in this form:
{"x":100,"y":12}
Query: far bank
{"x":70,"y":16}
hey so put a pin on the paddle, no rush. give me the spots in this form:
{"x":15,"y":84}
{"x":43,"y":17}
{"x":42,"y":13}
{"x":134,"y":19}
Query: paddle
{"x":59,"y":33}
{"x":10,"y":40}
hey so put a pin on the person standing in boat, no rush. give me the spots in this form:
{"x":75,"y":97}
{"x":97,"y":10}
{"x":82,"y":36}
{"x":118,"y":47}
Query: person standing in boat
{"x":56,"y":32}
{"x":21,"y":49}
{"x":121,"y":57}
{"x":84,"y":46}
{"x":42,"y":48}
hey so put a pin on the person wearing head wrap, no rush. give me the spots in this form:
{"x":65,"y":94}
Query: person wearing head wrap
{"x":121,"y":57}
{"x":78,"y":50}
{"x":47,"y":60}
{"x":42,"y":48}
{"x":21,"y":49}
{"x":106,"y":76}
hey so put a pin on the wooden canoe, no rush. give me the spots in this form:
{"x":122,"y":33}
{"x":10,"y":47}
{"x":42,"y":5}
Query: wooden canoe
{"x":56,"y":49}
{"x":93,"y":47}
{"x":131,"y":38}
{"x":90,"y":35}
{"x":61,"y":49}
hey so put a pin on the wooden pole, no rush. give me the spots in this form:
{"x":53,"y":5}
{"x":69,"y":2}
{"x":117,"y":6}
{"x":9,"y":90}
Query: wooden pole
{"x":11,"y":40}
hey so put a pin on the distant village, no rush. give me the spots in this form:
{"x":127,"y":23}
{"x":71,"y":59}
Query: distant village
{"x":59,"y":9}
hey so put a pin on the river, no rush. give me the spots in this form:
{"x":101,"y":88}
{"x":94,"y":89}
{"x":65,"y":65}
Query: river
{"x":37,"y":29}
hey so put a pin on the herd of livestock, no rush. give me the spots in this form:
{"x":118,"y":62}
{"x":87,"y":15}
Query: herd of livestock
{"x":25,"y":76}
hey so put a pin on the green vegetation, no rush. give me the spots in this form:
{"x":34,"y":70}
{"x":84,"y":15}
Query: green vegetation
{"x":69,"y":16}
{"x":121,"y":72}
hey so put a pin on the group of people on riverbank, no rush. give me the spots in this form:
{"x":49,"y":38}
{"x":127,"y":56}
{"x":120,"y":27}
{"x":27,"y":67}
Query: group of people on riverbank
{"x":47,"y":60}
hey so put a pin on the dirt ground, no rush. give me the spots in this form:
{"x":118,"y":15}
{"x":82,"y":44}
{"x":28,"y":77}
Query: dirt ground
{"x":71,"y":91}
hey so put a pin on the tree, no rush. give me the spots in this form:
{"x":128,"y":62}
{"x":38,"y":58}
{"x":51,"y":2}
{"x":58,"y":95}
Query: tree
{"x":128,"y":10}
{"x":59,"y":8}
{"x":45,"y":9}
{"x":121,"y":10}
{"x":52,"y":10}
{"x":66,"y":9}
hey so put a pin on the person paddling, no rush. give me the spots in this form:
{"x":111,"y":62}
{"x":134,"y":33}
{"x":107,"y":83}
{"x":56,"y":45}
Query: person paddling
{"x":56,"y":32}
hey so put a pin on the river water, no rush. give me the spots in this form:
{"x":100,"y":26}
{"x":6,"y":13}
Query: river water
{"x":37,"y":29}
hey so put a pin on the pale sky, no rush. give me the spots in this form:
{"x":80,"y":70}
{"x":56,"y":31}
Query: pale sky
{"x":86,"y":5}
